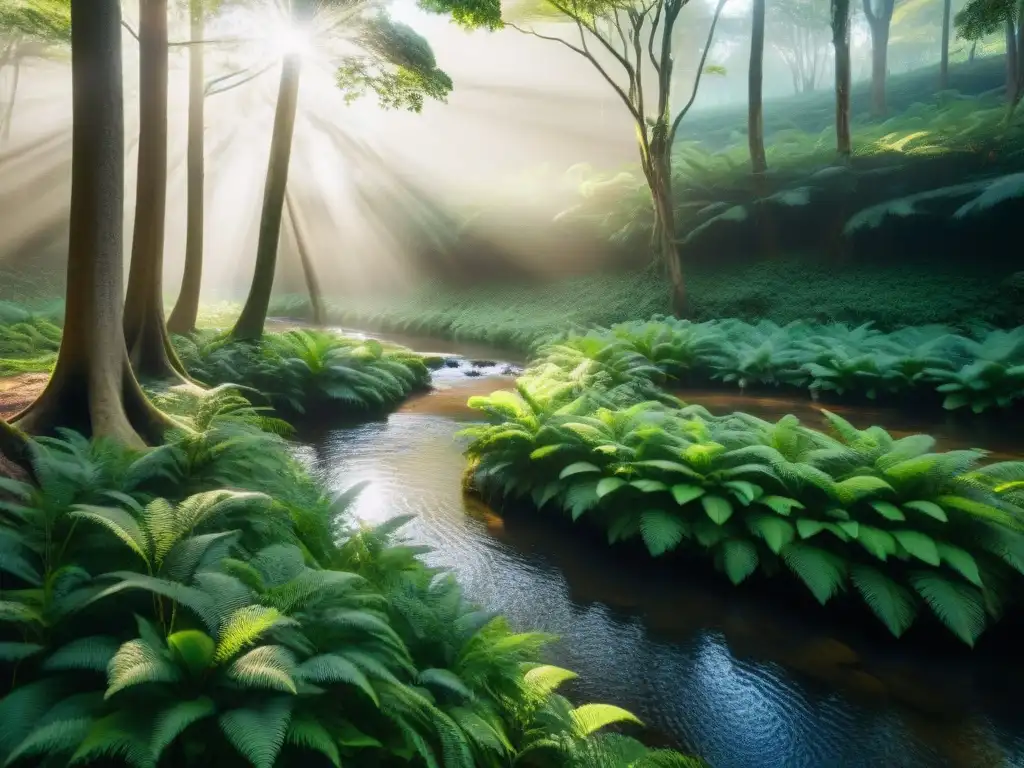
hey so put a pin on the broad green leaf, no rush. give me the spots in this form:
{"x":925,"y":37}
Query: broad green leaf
{"x":781,"y":505}
{"x":890,"y":602}
{"x":739,"y":558}
{"x":889,"y":511}
{"x":684,"y":493}
{"x":879,"y":543}
{"x":920,"y":545}
{"x":959,"y":606}
{"x":718,"y":508}
{"x":662,"y":531}
{"x":649,"y":486}
{"x":608,"y":485}
{"x":961,"y":561}
{"x":578,"y":468}
{"x":822,"y":572}
{"x":776,"y":532}
{"x":929,"y":508}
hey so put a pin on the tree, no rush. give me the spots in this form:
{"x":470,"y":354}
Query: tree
{"x":947,"y":7}
{"x":93,"y":389}
{"x":395,"y":63}
{"x":879,"y":15}
{"x":145,"y":329}
{"x":316,"y":301}
{"x":755,"y":112}
{"x":840,"y":11}
{"x":799,"y":34}
{"x":27,"y":27}
{"x":626,"y":35}
{"x":980,"y":18}
{"x":186,"y":308}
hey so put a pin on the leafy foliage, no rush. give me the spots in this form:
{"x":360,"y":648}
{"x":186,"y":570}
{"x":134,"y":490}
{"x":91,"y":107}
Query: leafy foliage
{"x":302,"y":369}
{"x":204,"y":603}
{"x":907,"y":527}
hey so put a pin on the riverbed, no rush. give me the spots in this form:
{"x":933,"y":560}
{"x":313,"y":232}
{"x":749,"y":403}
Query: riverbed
{"x":710,"y":669}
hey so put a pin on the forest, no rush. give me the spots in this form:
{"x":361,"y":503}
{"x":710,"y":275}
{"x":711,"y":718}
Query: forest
{"x":542,"y":383}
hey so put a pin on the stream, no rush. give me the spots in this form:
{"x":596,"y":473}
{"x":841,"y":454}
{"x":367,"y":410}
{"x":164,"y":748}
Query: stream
{"x":710,"y":669}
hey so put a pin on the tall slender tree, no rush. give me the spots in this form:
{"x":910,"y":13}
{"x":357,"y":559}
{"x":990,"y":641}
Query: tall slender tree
{"x":620,"y":38}
{"x":145,"y":327}
{"x":980,"y":18}
{"x":93,"y":389}
{"x":186,"y":308}
{"x":840,"y":11}
{"x":755,"y":82}
{"x":947,"y":8}
{"x":316,"y":301}
{"x":395,"y":63}
{"x":879,"y":17}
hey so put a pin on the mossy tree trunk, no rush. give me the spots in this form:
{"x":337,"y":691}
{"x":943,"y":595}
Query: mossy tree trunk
{"x":1013,"y":64}
{"x":755,"y":82}
{"x":145,"y":329}
{"x":186,"y":309}
{"x":93,"y":389}
{"x":316,"y":301}
{"x":840,"y":10}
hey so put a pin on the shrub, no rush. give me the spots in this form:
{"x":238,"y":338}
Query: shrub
{"x":904,"y":526}
{"x":204,"y":603}
{"x":300,"y":370}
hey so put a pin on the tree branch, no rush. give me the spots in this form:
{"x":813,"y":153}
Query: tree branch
{"x":594,"y":62}
{"x":700,"y":72}
{"x":131,"y":31}
{"x":650,"y":41}
{"x":581,"y":25}
{"x":210,"y":90}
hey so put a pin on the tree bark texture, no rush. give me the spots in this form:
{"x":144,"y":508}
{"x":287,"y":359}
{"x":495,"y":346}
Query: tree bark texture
{"x":186,"y":309}
{"x":841,"y":43}
{"x":755,"y":109}
{"x":93,"y":389}
{"x":145,"y":329}
{"x":254,"y":314}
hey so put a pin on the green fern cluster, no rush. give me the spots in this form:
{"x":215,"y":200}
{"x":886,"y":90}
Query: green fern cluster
{"x":28,"y":341}
{"x":860,"y":511}
{"x":204,"y":603}
{"x":301,"y":370}
{"x":980,"y":372}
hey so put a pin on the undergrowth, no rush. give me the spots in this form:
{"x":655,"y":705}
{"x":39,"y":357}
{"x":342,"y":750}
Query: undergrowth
{"x":906,"y":528}
{"x":302,"y":370}
{"x":204,"y":603}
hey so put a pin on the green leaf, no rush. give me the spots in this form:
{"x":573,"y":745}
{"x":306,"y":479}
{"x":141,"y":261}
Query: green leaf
{"x":961,"y":561}
{"x":781,"y":505}
{"x":18,"y":651}
{"x":776,"y":533}
{"x":670,"y":466}
{"x":959,"y":606}
{"x":649,"y":486}
{"x":331,"y":668}
{"x":684,"y":493}
{"x":822,"y":572}
{"x":929,"y":508}
{"x":608,"y":485}
{"x":807,"y":528}
{"x":193,"y":649}
{"x":307,"y":732}
{"x":589,"y":718}
{"x":267,"y":666}
{"x":578,"y":468}
{"x":662,"y":531}
{"x":739,"y":558}
{"x":858,"y":487}
{"x":920,"y":545}
{"x":718,"y":508}
{"x":890,"y":602}
{"x":258,"y":730}
{"x":745,"y":491}
{"x":171,"y":722}
{"x":879,"y":543}
{"x":888,"y":510}
{"x":243,"y":628}
{"x":138,"y":662}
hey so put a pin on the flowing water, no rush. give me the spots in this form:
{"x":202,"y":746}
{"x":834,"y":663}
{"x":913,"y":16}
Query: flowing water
{"x":710,"y":669}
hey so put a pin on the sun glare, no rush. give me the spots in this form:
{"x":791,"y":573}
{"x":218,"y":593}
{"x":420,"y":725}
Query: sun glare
{"x":288,"y":39}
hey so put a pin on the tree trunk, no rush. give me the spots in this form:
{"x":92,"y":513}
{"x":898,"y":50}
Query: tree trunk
{"x":879,"y":65}
{"x":8,"y":116}
{"x":1020,"y":51}
{"x":841,"y":43}
{"x":947,"y":7}
{"x":316,"y":301}
{"x":186,"y":309}
{"x":659,"y":178}
{"x":254,"y":313}
{"x":1012,"y":80}
{"x":92,"y":389}
{"x":755,"y":116}
{"x":973,"y":51}
{"x":145,"y":329}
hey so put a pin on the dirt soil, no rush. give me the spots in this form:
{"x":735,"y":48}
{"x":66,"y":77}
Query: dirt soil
{"x":17,"y":392}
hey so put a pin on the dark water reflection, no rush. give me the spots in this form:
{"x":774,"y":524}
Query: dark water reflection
{"x":713,"y":671}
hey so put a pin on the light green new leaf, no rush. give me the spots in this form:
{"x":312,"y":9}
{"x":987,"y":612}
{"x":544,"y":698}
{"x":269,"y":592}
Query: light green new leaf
{"x":589,"y":718}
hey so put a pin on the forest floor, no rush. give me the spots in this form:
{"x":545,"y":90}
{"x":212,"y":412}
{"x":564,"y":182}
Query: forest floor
{"x":17,"y":392}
